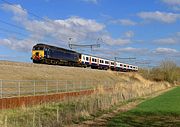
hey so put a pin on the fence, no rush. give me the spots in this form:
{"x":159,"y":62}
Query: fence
{"x":19,"y":88}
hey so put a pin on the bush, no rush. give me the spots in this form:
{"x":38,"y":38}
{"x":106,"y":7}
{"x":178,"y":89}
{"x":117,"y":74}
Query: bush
{"x":166,"y":71}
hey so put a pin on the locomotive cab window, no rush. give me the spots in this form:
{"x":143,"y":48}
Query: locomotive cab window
{"x":38,"y":48}
{"x":37,"y":53}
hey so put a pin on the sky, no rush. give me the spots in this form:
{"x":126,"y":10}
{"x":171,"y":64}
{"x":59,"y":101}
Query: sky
{"x":147,"y":30}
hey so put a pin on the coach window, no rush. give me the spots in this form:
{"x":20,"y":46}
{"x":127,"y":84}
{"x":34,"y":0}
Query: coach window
{"x":124,"y":65}
{"x":120,"y":64}
{"x":87,"y":58}
{"x":95,"y":60}
{"x":106,"y":62}
{"x":92,"y":59}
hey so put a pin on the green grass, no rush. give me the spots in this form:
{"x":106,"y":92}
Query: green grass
{"x":163,"y":110}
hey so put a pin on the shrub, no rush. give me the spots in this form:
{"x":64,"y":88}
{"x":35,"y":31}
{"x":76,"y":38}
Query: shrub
{"x":166,"y":71}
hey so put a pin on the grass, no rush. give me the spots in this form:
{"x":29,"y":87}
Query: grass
{"x":74,"y":110}
{"x":30,"y":71}
{"x":163,"y":110}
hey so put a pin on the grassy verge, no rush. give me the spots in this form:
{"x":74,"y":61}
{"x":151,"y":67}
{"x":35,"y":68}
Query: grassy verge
{"x":74,"y":110}
{"x":163,"y":110}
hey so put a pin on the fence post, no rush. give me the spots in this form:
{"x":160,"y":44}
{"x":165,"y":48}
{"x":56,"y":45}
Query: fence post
{"x":19,"y":88}
{"x":86,"y":85}
{"x":46,"y":87}
{"x":80,"y":85}
{"x":34,"y":90}
{"x":57,"y":86}
{"x":1,"y":85}
{"x":66,"y":86}
{"x":74,"y":84}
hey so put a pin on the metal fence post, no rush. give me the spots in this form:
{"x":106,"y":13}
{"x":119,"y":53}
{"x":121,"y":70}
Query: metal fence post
{"x":46,"y":87}
{"x":66,"y":86}
{"x":86,"y":85}
{"x":80,"y":85}
{"x":1,"y":85}
{"x":19,"y":88}
{"x":57,"y":86}
{"x":34,"y":90}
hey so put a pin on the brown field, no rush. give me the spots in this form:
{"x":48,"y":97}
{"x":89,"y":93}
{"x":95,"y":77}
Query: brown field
{"x":126,"y":86}
{"x":30,"y":71}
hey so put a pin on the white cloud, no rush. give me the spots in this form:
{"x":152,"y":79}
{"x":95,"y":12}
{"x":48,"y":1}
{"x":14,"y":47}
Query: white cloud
{"x":169,"y":40}
{"x":133,"y":50}
{"x":124,"y":22}
{"x":17,"y":10}
{"x":109,"y":40}
{"x":174,"y":4}
{"x":20,"y":45}
{"x":166,"y":51}
{"x":59,"y":30}
{"x":129,"y":34}
{"x":178,"y":34}
{"x":91,"y":1}
{"x":166,"y":41}
{"x":159,"y":16}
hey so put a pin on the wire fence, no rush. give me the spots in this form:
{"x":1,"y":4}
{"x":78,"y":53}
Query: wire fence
{"x":19,"y":88}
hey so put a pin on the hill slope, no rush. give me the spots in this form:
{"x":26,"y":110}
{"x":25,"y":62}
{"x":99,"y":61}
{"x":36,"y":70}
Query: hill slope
{"x":30,"y":71}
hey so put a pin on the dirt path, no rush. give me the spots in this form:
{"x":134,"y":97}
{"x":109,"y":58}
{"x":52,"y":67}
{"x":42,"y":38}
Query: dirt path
{"x":103,"y":120}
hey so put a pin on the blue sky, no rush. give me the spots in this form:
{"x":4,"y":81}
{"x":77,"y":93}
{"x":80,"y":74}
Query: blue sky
{"x":148,"y":30}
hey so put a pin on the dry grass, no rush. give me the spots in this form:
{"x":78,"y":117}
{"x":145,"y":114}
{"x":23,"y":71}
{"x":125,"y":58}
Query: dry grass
{"x":75,"y":110}
{"x":30,"y":71}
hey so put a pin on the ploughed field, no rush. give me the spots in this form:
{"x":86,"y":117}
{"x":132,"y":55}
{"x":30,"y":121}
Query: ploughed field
{"x":163,"y":110}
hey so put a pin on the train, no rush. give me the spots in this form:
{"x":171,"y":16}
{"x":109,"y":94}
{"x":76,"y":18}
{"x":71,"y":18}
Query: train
{"x":48,"y":54}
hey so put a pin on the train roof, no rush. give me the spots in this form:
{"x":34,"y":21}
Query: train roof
{"x":54,"y":47}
